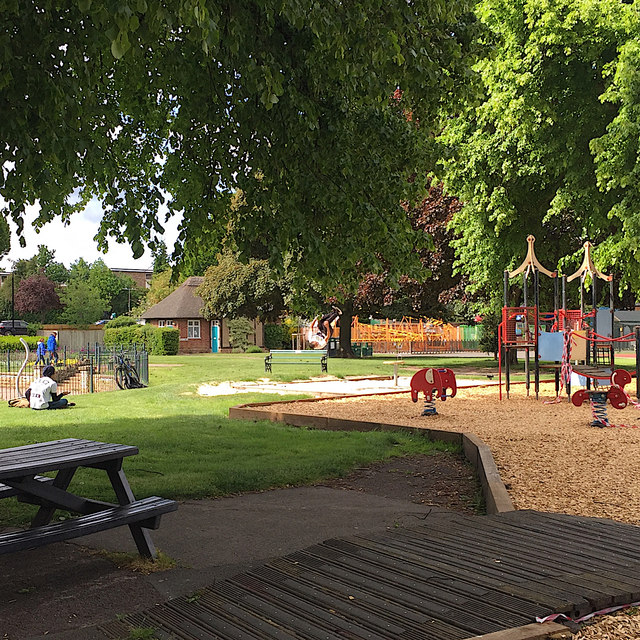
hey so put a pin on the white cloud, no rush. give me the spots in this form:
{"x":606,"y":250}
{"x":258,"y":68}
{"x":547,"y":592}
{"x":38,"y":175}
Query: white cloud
{"x":75,"y":240}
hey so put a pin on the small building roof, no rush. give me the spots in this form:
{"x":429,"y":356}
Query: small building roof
{"x":182,"y":303}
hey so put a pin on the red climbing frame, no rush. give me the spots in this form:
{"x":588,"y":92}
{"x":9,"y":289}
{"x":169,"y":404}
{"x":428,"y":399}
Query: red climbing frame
{"x":519,"y":326}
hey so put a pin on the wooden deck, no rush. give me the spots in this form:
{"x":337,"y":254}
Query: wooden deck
{"x":447,"y":578}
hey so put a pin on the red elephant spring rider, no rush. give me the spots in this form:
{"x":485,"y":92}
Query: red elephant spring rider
{"x":616,"y":395}
{"x":433,"y":382}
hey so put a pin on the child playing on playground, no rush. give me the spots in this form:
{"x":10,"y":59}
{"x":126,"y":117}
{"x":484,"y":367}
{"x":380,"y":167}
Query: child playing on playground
{"x":320,"y":331}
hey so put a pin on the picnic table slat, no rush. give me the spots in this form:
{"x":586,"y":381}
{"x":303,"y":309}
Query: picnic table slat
{"x":142,"y":512}
{"x":60,"y":454}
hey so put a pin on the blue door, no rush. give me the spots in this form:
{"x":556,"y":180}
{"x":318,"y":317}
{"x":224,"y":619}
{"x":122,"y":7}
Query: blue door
{"x":215,"y":338}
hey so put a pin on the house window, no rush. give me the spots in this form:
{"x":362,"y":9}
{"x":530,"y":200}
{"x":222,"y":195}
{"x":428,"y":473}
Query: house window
{"x":166,"y":323}
{"x":193,"y":329}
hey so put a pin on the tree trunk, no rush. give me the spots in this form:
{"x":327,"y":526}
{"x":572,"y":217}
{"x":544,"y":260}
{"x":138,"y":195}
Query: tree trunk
{"x":345,"y":350}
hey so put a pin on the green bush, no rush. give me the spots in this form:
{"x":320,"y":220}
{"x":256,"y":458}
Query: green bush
{"x":167,"y":341}
{"x":120,"y":321}
{"x":12,"y":343}
{"x":254,"y":349}
{"x":33,"y":328}
{"x":276,"y":336}
{"x":156,"y":340}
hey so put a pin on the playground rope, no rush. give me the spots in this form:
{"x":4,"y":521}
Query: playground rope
{"x":566,"y":369}
{"x":629,"y":337}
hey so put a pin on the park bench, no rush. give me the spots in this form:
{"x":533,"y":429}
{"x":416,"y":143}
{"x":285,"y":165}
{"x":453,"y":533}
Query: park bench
{"x":307,"y":356}
{"x":19,"y":469}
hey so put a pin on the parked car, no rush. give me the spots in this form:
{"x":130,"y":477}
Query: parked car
{"x":13,"y":328}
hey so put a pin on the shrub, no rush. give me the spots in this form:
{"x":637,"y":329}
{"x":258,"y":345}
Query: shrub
{"x":254,"y":349}
{"x":120,"y":321}
{"x":167,"y":341}
{"x":12,"y":343}
{"x":33,"y":328}
{"x":276,"y":336}
{"x":156,"y":340}
{"x":239,"y":330}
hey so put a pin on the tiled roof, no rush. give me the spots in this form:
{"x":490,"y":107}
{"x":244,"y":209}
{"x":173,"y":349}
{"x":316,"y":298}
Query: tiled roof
{"x":182,"y":303}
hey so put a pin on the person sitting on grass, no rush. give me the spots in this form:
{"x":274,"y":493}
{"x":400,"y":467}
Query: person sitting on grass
{"x":43,"y":394}
{"x":321,"y":330}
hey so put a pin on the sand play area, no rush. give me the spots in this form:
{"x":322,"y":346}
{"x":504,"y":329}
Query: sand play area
{"x":549,"y":456}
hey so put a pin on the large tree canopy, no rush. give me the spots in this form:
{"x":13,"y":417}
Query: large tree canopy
{"x":189,"y":101}
{"x":522,"y":158}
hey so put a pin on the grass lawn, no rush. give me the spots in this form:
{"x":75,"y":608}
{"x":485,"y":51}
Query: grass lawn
{"x":188,"y":446}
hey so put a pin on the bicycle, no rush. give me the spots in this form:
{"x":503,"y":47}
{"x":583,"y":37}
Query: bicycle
{"x":126,"y":374}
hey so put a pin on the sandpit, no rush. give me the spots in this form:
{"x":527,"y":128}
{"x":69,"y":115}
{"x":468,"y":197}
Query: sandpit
{"x":548,"y":455}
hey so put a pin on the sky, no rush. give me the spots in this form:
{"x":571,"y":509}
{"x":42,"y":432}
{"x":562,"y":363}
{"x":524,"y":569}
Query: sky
{"x":76,"y":241}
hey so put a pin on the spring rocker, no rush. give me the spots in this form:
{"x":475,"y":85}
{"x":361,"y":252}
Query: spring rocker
{"x":597,"y":398}
{"x":432,"y":382}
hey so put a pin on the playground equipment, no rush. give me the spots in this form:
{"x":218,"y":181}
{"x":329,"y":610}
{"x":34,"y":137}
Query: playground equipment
{"x":597,"y":398}
{"x":413,"y":335}
{"x":432,"y":382}
{"x":573,"y":334}
{"x":519,"y":328}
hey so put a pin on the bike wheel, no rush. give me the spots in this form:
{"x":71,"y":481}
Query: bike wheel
{"x":132,"y":380}
{"x":121,"y":378}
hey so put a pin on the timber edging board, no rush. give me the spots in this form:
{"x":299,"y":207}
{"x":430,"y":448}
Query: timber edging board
{"x":478,"y":454}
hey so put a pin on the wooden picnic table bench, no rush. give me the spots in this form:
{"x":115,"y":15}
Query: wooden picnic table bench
{"x":306,"y":356}
{"x":19,"y":476}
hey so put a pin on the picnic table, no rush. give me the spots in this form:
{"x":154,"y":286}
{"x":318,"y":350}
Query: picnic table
{"x":20,"y":469}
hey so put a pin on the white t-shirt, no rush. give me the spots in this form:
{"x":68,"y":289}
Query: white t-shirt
{"x":317,"y":340}
{"x":41,"y":390}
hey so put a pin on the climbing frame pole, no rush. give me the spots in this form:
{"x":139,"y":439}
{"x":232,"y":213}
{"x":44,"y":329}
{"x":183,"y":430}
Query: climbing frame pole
{"x":588,"y":268}
{"x":530,"y":315}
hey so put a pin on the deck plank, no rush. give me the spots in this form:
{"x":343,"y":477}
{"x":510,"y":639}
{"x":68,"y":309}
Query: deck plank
{"x":450,"y":577}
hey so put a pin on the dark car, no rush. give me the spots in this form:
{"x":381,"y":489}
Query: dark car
{"x":13,"y":328}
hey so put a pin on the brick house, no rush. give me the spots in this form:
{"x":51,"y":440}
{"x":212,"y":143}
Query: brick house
{"x":142,"y":277}
{"x":183,"y":309}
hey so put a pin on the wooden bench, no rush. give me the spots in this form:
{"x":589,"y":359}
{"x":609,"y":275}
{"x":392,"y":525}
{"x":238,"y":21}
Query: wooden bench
{"x":284,"y":356}
{"x":143,"y":513}
{"x":21,"y":470}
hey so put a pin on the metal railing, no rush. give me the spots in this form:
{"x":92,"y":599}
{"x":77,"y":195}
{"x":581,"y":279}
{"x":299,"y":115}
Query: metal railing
{"x":92,"y":370}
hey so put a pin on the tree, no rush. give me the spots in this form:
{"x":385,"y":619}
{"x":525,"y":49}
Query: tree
{"x":160,"y":258}
{"x":5,"y":237}
{"x":82,"y":304}
{"x":37,"y":295}
{"x":617,"y":159}
{"x":439,"y":287}
{"x":42,"y":262}
{"x":231,"y":289}
{"x":79,"y":270}
{"x":184,"y":103}
{"x":521,"y":158}
{"x":120,"y":294}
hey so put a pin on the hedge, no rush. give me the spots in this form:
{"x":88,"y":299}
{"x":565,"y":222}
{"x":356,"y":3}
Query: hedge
{"x":120,"y":321}
{"x":12,"y":343}
{"x":159,"y":341}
